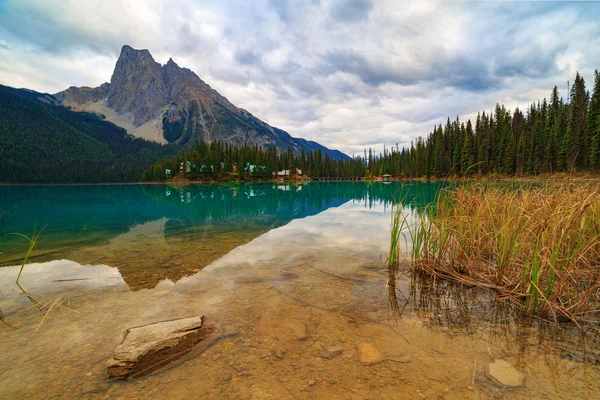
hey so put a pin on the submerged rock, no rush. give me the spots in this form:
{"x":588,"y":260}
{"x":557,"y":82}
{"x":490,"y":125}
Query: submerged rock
{"x":369,"y":355}
{"x":148,"y":348}
{"x":297,"y":328}
{"x":283,"y":328}
{"x":279,"y":354}
{"x":505,"y":374}
{"x":330,"y":351}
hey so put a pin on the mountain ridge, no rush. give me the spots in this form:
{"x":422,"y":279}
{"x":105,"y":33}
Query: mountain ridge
{"x":45,"y":142}
{"x":171,"y":104}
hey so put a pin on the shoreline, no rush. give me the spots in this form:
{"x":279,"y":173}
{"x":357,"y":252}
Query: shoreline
{"x":475,"y":178}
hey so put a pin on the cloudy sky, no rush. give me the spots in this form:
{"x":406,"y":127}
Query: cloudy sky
{"x":347,"y":74}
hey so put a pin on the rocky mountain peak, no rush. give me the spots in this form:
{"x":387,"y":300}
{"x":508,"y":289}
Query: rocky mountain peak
{"x":137,"y":85}
{"x":168,"y":103}
{"x":128,"y":52}
{"x":132,"y":62}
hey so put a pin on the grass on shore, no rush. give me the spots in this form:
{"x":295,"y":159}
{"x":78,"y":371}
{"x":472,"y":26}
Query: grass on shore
{"x":537,"y":245}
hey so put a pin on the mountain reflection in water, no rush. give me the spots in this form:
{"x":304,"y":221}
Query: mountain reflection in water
{"x":155,"y":232}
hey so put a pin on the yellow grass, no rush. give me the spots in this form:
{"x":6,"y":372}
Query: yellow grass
{"x":537,"y":245}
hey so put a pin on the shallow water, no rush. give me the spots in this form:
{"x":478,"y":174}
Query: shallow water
{"x":290,"y":269}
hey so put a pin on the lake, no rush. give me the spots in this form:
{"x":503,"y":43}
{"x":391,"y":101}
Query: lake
{"x":289,"y":269}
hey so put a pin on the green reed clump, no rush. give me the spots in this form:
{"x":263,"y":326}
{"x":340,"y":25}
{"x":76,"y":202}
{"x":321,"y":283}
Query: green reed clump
{"x":539,"y":246}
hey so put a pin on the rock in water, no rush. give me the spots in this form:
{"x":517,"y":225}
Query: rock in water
{"x":148,"y":348}
{"x":505,"y":374}
{"x":368,"y":354}
{"x":331,"y":351}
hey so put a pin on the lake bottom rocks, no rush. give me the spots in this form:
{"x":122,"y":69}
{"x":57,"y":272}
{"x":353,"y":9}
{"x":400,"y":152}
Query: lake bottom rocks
{"x":369,"y":355}
{"x":330,"y":352}
{"x":505,"y":374}
{"x":148,"y":348}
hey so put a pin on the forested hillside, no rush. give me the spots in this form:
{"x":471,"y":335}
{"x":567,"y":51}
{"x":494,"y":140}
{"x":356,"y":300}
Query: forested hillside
{"x":554,"y":135}
{"x":45,"y":143}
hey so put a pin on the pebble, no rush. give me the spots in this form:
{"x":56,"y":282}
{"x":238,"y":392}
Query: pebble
{"x":369,"y":355}
{"x":503,"y":373}
{"x":330,"y":352}
{"x":279,"y":354}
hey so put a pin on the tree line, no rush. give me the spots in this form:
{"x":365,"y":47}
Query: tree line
{"x":555,"y":135}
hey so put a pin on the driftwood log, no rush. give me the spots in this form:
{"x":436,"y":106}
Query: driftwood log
{"x":148,"y":348}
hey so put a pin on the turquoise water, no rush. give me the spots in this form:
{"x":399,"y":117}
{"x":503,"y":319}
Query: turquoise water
{"x":291,"y":269}
{"x":76,"y":216}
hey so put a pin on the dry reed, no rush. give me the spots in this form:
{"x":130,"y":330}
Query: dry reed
{"x":536,"y":245}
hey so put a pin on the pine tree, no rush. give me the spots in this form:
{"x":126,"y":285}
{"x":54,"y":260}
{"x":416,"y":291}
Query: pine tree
{"x":466,"y":159}
{"x":576,"y":138}
{"x":593,"y":125}
{"x":551,"y":132}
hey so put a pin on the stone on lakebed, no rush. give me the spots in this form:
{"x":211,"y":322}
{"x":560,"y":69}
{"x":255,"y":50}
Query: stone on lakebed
{"x":148,"y":348}
{"x":505,"y":374}
{"x":369,"y":355}
{"x":330,"y":352}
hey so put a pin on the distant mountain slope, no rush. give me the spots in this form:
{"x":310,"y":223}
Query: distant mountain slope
{"x":170,"y":104}
{"x":47,"y":143}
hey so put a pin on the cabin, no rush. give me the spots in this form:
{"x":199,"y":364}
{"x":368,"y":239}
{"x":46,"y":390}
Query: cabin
{"x":288,"y":173}
{"x":185,"y":167}
{"x":386,"y":177}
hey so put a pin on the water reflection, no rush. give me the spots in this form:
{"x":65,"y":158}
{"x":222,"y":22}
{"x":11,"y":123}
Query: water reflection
{"x":457,"y":309}
{"x":155,"y":232}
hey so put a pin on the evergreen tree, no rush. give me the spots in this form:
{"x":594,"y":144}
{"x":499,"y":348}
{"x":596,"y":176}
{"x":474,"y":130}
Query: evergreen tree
{"x":552,"y":133}
{"x":576,"y":139}
{"x":466,"y":157}
{"x":593,"y":125}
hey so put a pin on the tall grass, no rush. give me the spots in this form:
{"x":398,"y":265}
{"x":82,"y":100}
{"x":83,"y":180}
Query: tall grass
{"x":399,"y":224}
{"x":32,"y":242}
{"x":538,"y":246}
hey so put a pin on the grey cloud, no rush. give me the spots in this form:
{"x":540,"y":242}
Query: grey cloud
{"x":45,"y":28}
{"x":282,"y":8}
{"x":351,"y":10}
{"x":536,"y":62}
{"x":305,"y":84}
{"x":448,"y":70}
{"x":247,"y":56}
{"x":369,"y":72}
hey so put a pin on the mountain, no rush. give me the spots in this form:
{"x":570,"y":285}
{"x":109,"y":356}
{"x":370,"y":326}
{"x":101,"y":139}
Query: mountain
{"x":171,"y":104}
{"x":45,"y":142}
